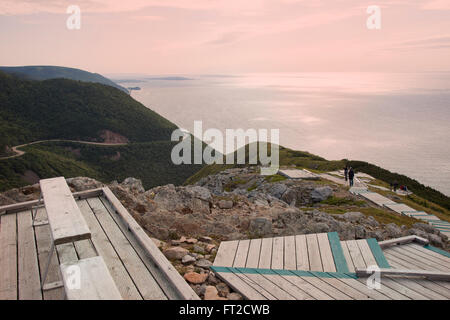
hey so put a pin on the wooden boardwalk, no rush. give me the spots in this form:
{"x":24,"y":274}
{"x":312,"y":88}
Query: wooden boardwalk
{"x":138,"y":268}
{"x":298,"y":174}
{"x":317,"y":267}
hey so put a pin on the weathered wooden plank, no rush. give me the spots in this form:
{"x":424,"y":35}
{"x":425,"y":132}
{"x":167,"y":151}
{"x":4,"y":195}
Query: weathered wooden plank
{"x":315,"y":261}
{"x":288,"y":287}
{"x":29,"y":279}
{"x":85,"y":249}
{"x":413,"y":264}
{"x":66,"y":221}
{"x":432,"y":275}
{"x":366,"y":253}
{"x":364,"y":289}
{"x":415,"y":249}
{"x":154,"y":269}
{"x":325,"y":287}
{"x":240,"y":286}
{"x":316,"y":293}
{"x":119,"y":273}
{"x":241,"y":254}
{"x":8,"y":257}
{"x":43,"y":243}
{"x":164,"y":265}
{"x":290,"y":261}
{"x":403,"y":240}
{"x":377,"y":253}
{"x":253,"y":253}
{"x":337,"y":252}
{"x":402,"y":289}
{"x":95,"y":281}
{"x":226,"y":253}
{"x":278,"y":253}
{"x":325,"y":253}
{"x":427,"y":263}
{"x":344,"y":287}
{"x":271,"y":287}
{"x":66,"y":253}
{"x":301,"y":250}
{"x":255,"y":285}
{"x":348,"y":258}
{"x":142,"y":278}
{"x":387,"y":291}
{"x":355,"y":253}
{"x":265,"y":258}
{"x":413,"y":285}
{"x":434,"y":254}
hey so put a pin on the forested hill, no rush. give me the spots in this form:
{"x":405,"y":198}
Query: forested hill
{"x":33,"y":110}
{"x":54,"y":72}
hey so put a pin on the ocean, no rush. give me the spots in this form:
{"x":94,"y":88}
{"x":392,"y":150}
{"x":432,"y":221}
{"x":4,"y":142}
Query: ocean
{"x":400,"y":122}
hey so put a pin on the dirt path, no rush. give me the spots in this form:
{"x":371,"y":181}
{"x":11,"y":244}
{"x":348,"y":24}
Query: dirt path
{"x":20,"y":153}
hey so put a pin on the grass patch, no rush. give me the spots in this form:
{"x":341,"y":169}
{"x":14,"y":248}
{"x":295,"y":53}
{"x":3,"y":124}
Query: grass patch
{"x":336,"y":201}
{"x":275,"y":178}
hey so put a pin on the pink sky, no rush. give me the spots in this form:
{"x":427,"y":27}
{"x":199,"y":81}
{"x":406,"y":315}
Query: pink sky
{"x":227,"y":36}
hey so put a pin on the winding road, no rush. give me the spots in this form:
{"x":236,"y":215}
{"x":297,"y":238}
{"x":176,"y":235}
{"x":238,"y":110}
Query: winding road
{"x":20,"y":153}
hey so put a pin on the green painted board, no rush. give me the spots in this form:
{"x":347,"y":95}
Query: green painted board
{"x":378,"y":253}
{"x":440,"y":251}
{"x":338,"y":253}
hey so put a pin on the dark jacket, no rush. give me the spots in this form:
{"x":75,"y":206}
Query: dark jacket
{"x":351,"y":174}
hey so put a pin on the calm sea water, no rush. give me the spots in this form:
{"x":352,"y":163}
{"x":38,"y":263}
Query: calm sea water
{"x":398,"y":121}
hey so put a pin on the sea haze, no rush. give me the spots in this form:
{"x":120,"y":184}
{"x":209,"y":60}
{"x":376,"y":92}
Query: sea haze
{"x":397,"y":121}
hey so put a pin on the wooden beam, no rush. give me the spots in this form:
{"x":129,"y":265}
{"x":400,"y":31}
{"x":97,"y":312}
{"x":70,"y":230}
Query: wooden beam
{"x":22,"y":206}
{"x":431,"y":275}
{"x":402,"y":240}
{"x":154,"y":253}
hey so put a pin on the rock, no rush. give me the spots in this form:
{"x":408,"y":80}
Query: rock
{"x":260,"y":226}
{"x":191,"y":241}
{"x":223,"y":289}
{"x":319,"y":227}
{"x":435,"y":240}
{"x":205,"y":239}
{"x":212,"y":279}
{"x":277,"y":190}
{"x":199,"y":249}
{"x":195,"y":278}
{"x":203,"y":263}
{"x":360,"y":232}
{"x":135,"y":185}
{"x":83,"y":183}
{"x":425,"y":227}
{"x":199,"y":193}
{"x":211,"y":293}
{"x":321,"y":194}
{"x":188,"y":259}
{"x":418,"y":232}
{"x":158,"y":243}
{"x":393,"y":230}
{"x":209,"y":247}
{"x":175,"y":253}
{"x":353,"y":216}
{"x":225,"y":204}
{"x":234,"y":296}
{"x":372,"y":222}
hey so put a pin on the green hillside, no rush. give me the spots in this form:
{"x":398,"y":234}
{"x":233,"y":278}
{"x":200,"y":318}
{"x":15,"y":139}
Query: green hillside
{"x":73,"y":110}
{"x":53,"y":72}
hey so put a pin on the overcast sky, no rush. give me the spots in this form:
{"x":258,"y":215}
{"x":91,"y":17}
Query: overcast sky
{"x":227,"y":36}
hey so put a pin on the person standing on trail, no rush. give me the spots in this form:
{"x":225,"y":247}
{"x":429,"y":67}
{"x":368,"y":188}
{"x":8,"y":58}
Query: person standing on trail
{"x":351,"y":176}
{"x":346,"y":173}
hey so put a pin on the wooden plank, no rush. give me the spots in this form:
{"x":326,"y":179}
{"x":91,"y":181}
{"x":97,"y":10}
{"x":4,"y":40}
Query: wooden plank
{"x":412,"y":263}
{"x":154,"y":269}
{"x":85,"y":249}
{"x":95,"y":281}
{"x":315,"y":261}
{"x":253,"y":253}
{"x":66,"y":253}
{"x":288,"y":287}
{"x":226,"y":253}
{"x":403,"y":290}
{"x":316,"y":293}
{"x":105,"y":249}
{"x":290,"y":261}
{"x":43,"y":243}
{"x":377,"y":253}
{"x":423,"y":254}
{"x":278,"y":253}
{"x":337,"y":252}
{"x":8,"y":257}
{"x":172,"y":275}
{"x":366,"y":253}
{"x":442,"y":258}
{"x":325,"y":287}
{"x":355,"y":253}
{"x":428,"y":263}
{"x":364,"y":289}
{"x":344,"y":287}
{"x":241,"y":254}
{"x":255,"y":285}
{"x":325,"y":253}
{"x":301,"y":250}
{"x":265,"y":258}
{"x":387,"y":291}
{"x":432,"y":275}
{"x":238,"y":285}
{"x":413,"y":285}
{"x":271,"y":287}
{"x":348,"y":258}
{"x":403,"y":240}
{"x":29,"y":279}
{"x":66,"y":221}
{"x":142,"y":278}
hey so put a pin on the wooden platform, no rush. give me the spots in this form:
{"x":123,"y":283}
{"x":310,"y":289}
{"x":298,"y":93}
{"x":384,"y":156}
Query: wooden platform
{"x":138,"y":268}
{"x":298,"y":174}
{"x":318,"y":266}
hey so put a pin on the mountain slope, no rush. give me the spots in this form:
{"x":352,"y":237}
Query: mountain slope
{"x":53,"y":72}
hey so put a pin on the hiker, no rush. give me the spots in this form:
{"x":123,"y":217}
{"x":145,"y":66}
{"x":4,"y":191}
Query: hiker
{"x":395,"y":184}
{"x":351,"y":176}
{"x":346,"y":173}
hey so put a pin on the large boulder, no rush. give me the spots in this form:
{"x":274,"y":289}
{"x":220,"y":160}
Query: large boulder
{"x":135,"y":185}
{"x":175,"y":253}
{"x":353,"y":216}
{"x":321,"y":194}
{"x":260,"y":226}
{"x":277,"y":190}
{"x":393,"y":230}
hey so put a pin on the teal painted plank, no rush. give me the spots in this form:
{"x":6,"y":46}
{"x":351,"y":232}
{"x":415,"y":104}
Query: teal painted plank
{"x":299,"y":273}
{"x":378,"y":253}
{"x":338,"y":254}
{"x":444,"y":253}
{"x":283,"y":272}
{"x":220,"y":269}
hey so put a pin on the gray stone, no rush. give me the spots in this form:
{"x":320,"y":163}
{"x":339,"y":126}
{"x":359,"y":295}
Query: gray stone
{"x":425,"y":227}
{"x":435,"y":240}
{"x":277,"y":190}
{"x":260,"y":226}
{"x":134,"y":185}
{"x":175,"y":253}
{"x":188,"y":259}
{"x":353,"y":216}
{"x":393,"y":230}
{"x":222,"y":289}
{"x":234,"y":296}
{"x":203,"y":263}
{"x":199,"y":249}
{"x":360,"y":232}
{"x":225,"y":204}
{"x":321,"y":193}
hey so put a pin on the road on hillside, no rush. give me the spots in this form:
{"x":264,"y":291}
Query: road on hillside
{"x":20,"y":153}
